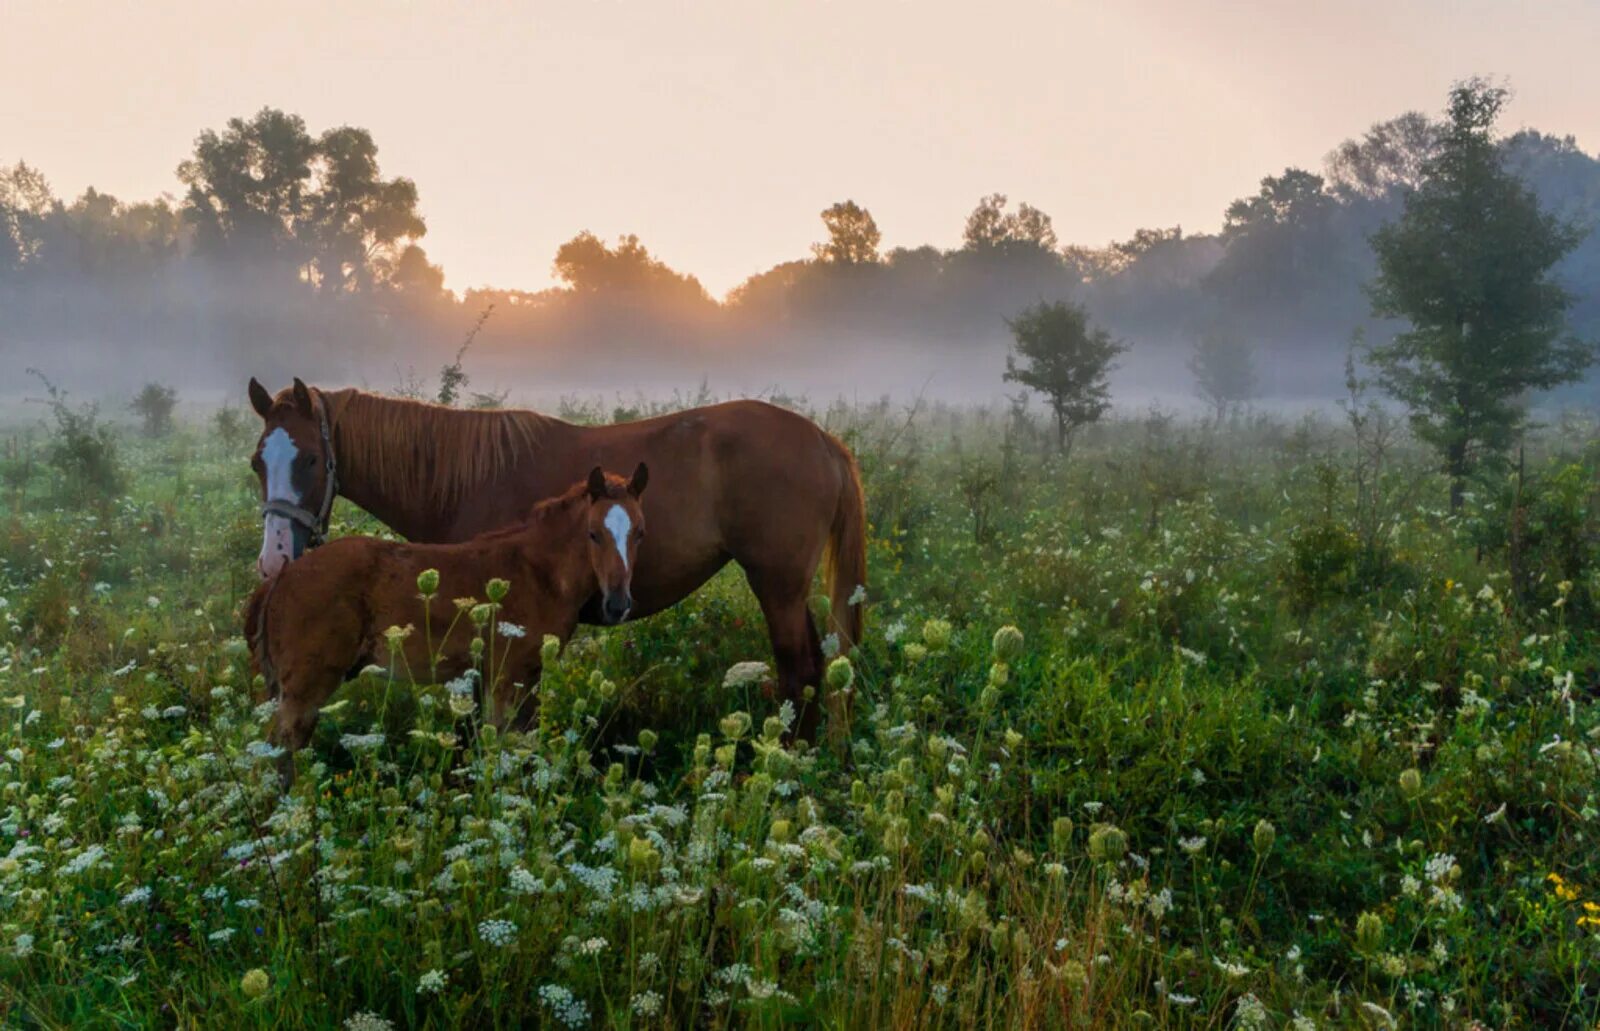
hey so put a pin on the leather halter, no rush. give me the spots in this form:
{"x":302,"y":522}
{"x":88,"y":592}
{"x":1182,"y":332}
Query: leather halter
{"x":317,"y":523}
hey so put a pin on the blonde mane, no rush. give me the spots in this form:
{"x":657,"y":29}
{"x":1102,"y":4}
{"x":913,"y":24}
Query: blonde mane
{"x":426,"y":450}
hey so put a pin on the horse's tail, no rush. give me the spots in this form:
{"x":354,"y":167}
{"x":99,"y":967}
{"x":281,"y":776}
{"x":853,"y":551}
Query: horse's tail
{"x":846,"y":556}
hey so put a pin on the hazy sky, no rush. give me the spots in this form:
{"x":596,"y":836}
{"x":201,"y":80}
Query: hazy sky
{"x":717,"y":131}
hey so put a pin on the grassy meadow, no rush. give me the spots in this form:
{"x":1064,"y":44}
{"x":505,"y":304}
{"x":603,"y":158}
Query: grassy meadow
{"x":1205,"y":724}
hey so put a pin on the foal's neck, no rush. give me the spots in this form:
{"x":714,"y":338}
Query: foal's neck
{"x":553,"y":541}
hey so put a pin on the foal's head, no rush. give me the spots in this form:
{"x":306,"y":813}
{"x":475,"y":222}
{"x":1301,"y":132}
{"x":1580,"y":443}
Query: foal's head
{"x":293,"y":461}
{"x":616,"y":526}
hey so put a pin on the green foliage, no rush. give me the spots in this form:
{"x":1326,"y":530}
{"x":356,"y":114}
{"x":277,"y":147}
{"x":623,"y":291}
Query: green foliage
{"x":154,"y":405}
{"x":266,"y":189}
{"x":1105,"y":768}
{"x":1224,"y":372}
{"x":81,"y":449}
{"x":1067,"y":360}
{"x":1469,"y":265}
{"x":230,"y":425}
{"x":853,"y":235}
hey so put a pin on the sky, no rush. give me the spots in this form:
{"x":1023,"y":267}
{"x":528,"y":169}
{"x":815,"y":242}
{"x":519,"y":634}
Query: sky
{"x":717,"y":131}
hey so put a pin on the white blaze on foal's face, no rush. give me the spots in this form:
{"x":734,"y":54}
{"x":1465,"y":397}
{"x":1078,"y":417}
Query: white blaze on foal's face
{"x":620,"y":525}
{"x":278,"y":453}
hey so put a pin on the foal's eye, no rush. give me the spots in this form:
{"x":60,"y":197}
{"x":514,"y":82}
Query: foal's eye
{"x":593,"y":536}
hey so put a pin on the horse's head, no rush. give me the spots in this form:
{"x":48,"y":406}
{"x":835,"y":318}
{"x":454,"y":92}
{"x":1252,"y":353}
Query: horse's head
{"x":294,"y":462}
{"x":616,"y":526}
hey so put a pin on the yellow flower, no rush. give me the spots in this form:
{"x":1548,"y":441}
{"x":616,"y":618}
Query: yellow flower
{"x":1563,"y":890}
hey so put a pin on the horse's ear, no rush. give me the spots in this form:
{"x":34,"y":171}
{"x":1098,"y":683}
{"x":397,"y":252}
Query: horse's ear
{"x":260,"y":400}
{"x":641,"y":476}
{"x":597,"y":484}
{"x":302,"y":397}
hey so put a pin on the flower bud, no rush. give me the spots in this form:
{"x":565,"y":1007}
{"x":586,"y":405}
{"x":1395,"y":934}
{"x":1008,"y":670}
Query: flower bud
{"x":1107,"y":843}
{"x":936,"y":634}
{"x":549,"y":649}
{"x":255,"y":983}
{"x":1411,"y":782}
{"x":840,"y":674}
{"x":1265,"y":834}
{"x":642,"y":855}
{"x":647,"y":740}
{"x":1007,"y":644}
{"x":428,"y":582}
{"x":735,"y":725}
{"x":1061,"y":834}
{"x":1369,"y":933}
{"x":496,"y":589}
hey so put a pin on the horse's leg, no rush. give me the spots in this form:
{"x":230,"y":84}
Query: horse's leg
{"x":796,"y":648}
{"x":302,"y":692}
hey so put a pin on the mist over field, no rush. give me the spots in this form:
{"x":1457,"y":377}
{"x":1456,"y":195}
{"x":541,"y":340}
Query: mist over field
{"x":1162,"y":592}
{"x":289,"y":249}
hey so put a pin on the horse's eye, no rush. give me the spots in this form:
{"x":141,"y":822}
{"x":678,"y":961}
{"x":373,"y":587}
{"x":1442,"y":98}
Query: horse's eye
{"x":304,"y":461}
{"x":594,"y":536}
{"x":256,"y":463}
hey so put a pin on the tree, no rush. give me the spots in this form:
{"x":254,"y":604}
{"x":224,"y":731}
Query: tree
{"x":1468,"y":264}
{"x":627,"y":272}
{"x":266,"y":188}
{"x":1390,"y":157}
{"x":853,"y":236}
{"x":1224,"y":371}
{"x":154,"y":406}
{"x":1067,"y":360}
{"x":25,"y":203}
{"x":990,"y":227}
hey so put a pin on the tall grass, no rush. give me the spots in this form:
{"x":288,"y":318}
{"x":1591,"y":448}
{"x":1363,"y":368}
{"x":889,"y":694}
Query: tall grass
{"x":1184,"y":736}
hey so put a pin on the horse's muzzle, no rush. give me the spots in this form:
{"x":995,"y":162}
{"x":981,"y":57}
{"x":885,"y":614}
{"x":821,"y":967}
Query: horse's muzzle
{"x":282,"y":541}
{"x":616,"y":607}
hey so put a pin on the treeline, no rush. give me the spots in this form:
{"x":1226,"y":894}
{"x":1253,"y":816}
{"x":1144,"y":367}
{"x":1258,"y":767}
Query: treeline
{"x":289,"y":251}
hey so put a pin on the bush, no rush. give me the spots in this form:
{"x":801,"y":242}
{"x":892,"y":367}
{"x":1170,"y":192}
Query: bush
{"x":154,"y":405}
{"x":81,"y":448}
{"x":230,"y":426}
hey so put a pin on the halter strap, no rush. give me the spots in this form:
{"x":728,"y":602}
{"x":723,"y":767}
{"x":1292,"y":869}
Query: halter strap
{"x":315,"y":523}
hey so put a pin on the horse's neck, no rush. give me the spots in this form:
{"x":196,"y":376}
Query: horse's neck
{"x":399,"y":498}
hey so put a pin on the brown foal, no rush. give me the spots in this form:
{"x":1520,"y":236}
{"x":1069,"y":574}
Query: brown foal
{"x":323,"y":618}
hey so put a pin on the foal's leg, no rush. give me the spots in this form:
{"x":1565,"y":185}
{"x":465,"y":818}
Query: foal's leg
{"x":795,"y":646}
{"x":517,"y":708}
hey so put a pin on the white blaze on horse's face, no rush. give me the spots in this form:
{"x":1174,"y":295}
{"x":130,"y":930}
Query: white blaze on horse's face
{"x":620,"y":524}
{"x":277,"y":533}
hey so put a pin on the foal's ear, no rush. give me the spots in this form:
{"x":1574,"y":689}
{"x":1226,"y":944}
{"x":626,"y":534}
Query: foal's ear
{"x":260,"y":400}
{"x":641,"y":476}
{"x":302,"y":397}
{"x":597,"y":484}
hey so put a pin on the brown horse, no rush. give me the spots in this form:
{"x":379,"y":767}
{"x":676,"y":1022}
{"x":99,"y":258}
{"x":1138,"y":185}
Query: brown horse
{"x":744,"y":480}
{"x":319,"y":621}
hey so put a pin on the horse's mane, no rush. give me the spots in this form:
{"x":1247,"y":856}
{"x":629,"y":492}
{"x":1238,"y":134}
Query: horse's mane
{"x":418,"y":448}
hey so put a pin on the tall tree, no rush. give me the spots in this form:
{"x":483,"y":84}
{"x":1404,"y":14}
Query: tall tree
{"x":1060,"y":355}
{"x":1469,"y":265}
{"x":991,"y":227}
{"x":853,"y":235}
{"x":1224,"y":371}
{"x":25,"y":204}
{"x":265,"y":188}
{"x":1389,"y":157}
